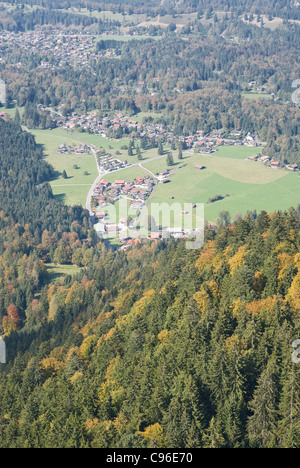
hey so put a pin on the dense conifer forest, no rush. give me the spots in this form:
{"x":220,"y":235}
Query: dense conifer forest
{"x":158,"y":346}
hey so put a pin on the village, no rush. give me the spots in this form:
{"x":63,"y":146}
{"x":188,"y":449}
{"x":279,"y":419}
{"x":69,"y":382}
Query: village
{"x":206,"y":144}
{"x":120,"y":125}
{"x":272,"y":163}
{"x":106,"y":194}
{"x":78,"y":149}
{"x":59,"y":49}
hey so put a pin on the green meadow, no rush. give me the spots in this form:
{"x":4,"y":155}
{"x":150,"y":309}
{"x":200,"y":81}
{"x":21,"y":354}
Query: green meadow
{"x":74,"y":189}
{"x":57,"y":272}
{"x":244,"y":185}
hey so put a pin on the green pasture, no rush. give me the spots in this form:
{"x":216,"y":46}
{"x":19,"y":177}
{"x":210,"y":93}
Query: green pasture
{"x":74,"y":189}
{"x":56,"y":271}
{"x":245,"y":185}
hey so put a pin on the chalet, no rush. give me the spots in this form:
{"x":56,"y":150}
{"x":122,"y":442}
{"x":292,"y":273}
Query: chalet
{"x":134,"y":191}
{"x":100,"y":214}
{"x":142,"y":195}
{"x":175,"y":232}
{"x":264,"y":159}
{"x":236,"y":133}
{"x":139,"y":180}
{"x":206,"y":150}
{"x":137,"y":205}
{"x":155,"y":235}
{"x":250,"y":137}
{"x":119,"y":182}
{"x":112,"y":228}
{"x":104,"y":182}
{"x":275,"y":164}
{"x":126,"y":189}
{"x":292,"y":167}
{"x":134,"y":241}
{"x":216,"y":133}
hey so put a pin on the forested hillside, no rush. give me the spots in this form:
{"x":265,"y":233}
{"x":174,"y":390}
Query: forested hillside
{"x":34,"y":227}
{"x":158,"y":346}
{"x":197,"y":79}
{"x":275,"y":7}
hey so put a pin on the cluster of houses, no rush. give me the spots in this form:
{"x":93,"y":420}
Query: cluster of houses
{"x":75,"y":49}
{"x":107,"y":127}
{"x":106,"y":193}
{"x":207,"y":144}
{"x":119,"y":124}
{"x":272,"y":163}
{"x":80,"y":149}
{"x":109,"y":163}
{"x":137,"y":192}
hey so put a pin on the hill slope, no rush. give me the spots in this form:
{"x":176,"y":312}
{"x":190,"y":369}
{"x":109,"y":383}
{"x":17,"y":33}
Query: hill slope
{"x":165,"y":347}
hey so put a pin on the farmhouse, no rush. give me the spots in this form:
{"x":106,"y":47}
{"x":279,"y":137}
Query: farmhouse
{"x":206,"y":150}
{"x":264,"y":159}
{"x":155,"y":235}
{"x":275,"y":164}
{"x":175,"y":232}
{"x":104,"y":182}
{"x":100,"y":214}
{"x":252,"y":158}
{"x":292,"y":167}
{"x":112,"y":228}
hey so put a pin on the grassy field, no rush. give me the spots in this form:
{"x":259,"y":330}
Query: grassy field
{"x":237,"y":152}
{"x":56,"y":272}
{"x":12,"y":111}
{"x":245,"y":185}
{"x":127,"y":174}
{"x":140,"y":117}
{"x":74,"y":189}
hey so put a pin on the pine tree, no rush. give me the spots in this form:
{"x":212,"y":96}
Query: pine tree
{"x":213,"y":437}
{"x":170,"y":160}
{"x":17,"y":118}
{"x":130,"y":150}
{"x":289,"y":409}
{"x":262,"y":423}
